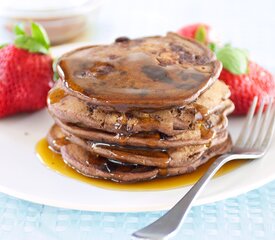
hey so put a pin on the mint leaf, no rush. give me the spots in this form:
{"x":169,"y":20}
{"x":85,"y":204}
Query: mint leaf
{"x":201,"y":34}
{"x":39,"y":34}
{"x":234,"y":60}
{"x":19,"y":29}
{"x":30,"y":44}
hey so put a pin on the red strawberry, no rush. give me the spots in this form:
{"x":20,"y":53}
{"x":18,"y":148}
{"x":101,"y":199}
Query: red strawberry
{"x":25,"y":72}
{"x":198,"y":31}
{"x":246,"y":79}
{"x":257,"y":82}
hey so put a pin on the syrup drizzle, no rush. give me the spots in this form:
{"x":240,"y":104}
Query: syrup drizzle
{"x":54,"y":161}
{"x":107,"y":75}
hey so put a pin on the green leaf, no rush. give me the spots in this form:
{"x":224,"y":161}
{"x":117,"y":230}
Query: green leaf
{"x":19,"y":29}
{"x":37,"y":42}
{"x":234,"y":60}
{"x":39,"y":34}
{"x":201,"y":34}
{"x":30,"y":44}
{"x":213,"y":46}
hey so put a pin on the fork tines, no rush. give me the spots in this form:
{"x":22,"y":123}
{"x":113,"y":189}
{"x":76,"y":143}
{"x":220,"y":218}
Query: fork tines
{"x":258,"y":128}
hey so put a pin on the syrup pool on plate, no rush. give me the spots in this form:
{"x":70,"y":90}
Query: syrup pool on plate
{"x":54,"y":161}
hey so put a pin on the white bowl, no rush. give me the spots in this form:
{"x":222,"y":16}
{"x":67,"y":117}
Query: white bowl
{"x":62,"y":19}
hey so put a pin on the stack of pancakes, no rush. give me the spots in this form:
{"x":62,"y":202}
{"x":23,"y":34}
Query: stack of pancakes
{"x":139,"y":109}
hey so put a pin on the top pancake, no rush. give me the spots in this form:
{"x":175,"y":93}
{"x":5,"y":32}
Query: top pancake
{"x":149,"y":73}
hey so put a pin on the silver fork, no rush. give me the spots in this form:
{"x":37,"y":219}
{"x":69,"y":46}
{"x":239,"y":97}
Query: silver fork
{"x":252,"y":143}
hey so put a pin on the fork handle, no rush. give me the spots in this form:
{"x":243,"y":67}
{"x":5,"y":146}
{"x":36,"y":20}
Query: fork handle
{"x":167,"y":225}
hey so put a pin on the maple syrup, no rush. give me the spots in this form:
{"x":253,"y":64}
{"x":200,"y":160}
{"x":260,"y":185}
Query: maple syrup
{"x":56,"y":95}
{"x":54,"y":161}
{"x":168,"y":73}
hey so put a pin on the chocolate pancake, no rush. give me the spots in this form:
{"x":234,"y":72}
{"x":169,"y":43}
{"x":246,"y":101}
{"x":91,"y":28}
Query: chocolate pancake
{"x":163,"y":158}
{"x":149,"y":73}
{"x":202,"y":133}
{"x":139,"y":109}
{"x":70,"y":109}
{"x":95,"y":166}
{"x":174,"y":157}
{"x":192,"y":166}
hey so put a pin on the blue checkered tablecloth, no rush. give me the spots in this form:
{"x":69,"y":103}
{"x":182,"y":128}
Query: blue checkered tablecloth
{"x":249,"y":216}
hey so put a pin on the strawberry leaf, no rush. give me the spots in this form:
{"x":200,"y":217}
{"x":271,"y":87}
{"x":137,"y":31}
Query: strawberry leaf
{"x":38,"y":42}
{"x":39,"y":34}
{"x":201,"y":34}
{"x":30,"y":44}
{"x":212,"y":46}
{"x":234,"y":60}
{"x":19,"y":29}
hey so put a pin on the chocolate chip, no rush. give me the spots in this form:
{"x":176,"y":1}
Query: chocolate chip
{"x":83,"y":74}
{"x":176,"y":48}
{"x":186,"y":57}
{"x":122,"y":39}
{"x":163,"y":136}
{"x":104,"y":69}
{"x":192,"y":76}
{"x":156,"y":73}
{"x":202,"y":60}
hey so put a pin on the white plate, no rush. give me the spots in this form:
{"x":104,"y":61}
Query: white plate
{"x":22,"y":175}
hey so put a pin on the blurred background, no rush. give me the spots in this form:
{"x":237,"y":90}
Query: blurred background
{"x":247,"y":24}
